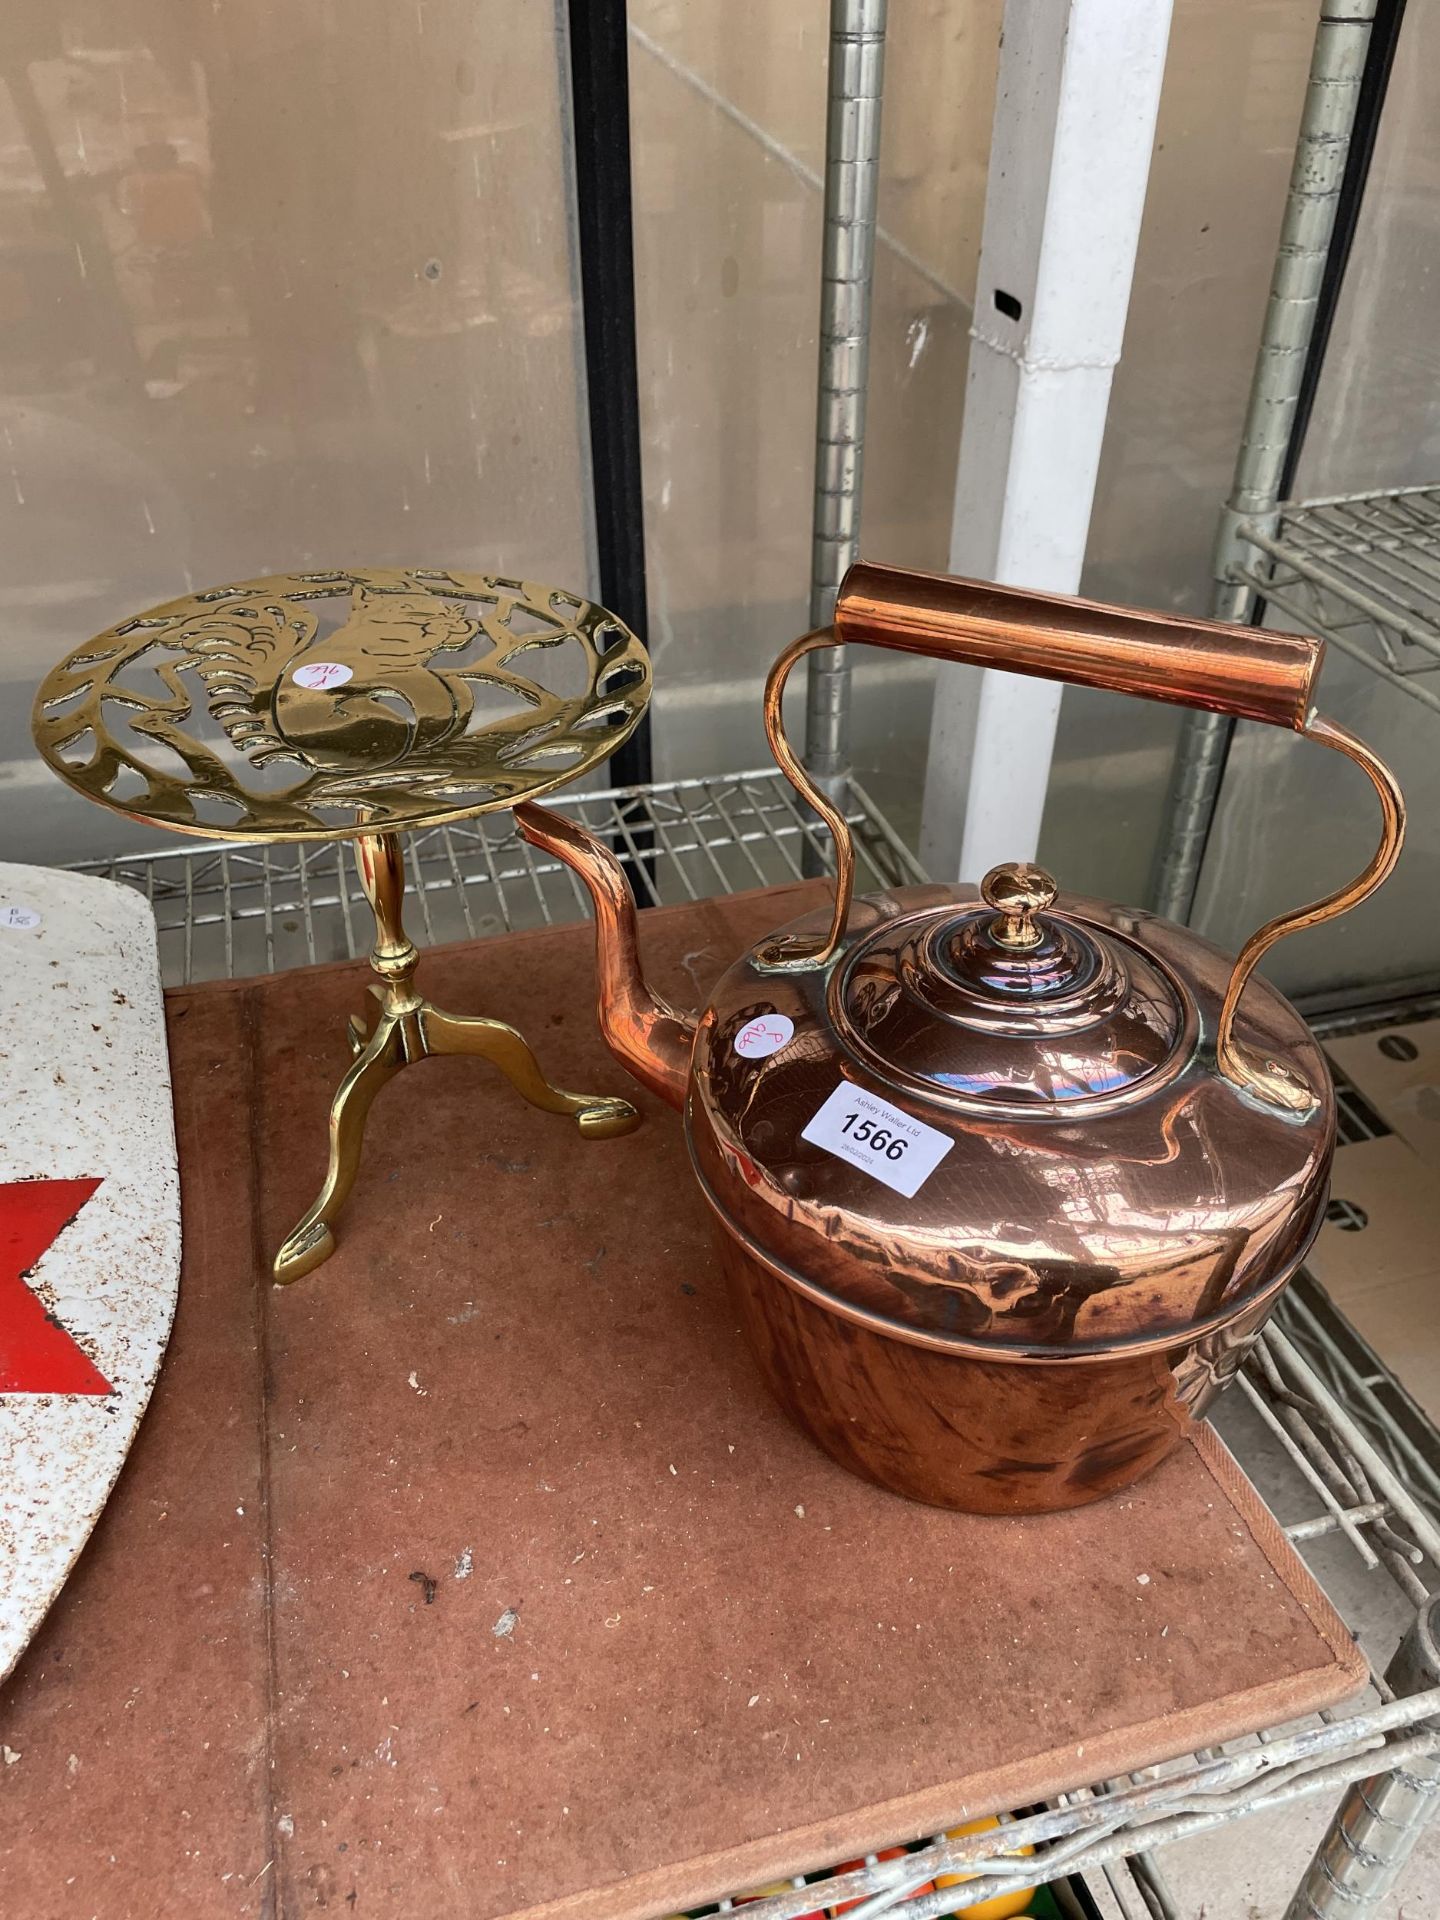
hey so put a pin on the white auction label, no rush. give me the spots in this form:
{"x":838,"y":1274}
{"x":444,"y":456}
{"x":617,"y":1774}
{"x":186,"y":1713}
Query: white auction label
{"x":857,"y":1126}
{"x":319,"y":674}
{"x":21,"y":919}
{"x":765,"y":1035}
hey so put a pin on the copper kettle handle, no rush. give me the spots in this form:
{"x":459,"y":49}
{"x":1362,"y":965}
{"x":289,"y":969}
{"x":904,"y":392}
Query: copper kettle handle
{"x":1249,"y":672}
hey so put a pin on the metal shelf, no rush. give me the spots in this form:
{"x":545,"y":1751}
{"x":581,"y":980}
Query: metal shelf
{"x":1361,"y":570}
{"x":226,"y":911}
{"x":1358,"y":1482}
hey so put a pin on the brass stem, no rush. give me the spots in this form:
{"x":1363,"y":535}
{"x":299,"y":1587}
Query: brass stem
{"x":380,"y":862}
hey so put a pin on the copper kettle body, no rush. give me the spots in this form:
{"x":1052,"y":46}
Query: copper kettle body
{"x":1005,"y":1183}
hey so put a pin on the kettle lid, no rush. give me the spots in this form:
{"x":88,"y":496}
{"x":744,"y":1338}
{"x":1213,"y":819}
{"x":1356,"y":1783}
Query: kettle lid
{"x":1009,"y":1004}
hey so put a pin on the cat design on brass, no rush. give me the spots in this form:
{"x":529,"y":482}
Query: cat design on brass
{"x":248,"y":657}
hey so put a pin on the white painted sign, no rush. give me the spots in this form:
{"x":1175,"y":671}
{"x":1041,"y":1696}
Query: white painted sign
{"x":89,"y":1220}
{"x":764,"y":1035}
{"x":322,"y":673}
{"x":18,"y":917}
{"x":893,"y":1147}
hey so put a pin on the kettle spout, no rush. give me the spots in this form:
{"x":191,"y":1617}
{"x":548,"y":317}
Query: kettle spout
{"x":643,"y":1033}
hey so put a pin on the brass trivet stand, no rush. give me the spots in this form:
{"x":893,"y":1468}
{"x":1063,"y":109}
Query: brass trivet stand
{"x":381,"y":687}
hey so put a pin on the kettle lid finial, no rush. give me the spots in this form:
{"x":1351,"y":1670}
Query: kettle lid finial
{"x":1018,"y":891}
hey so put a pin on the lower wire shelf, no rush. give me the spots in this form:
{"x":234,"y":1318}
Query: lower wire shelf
{"x":1358,"y":1482}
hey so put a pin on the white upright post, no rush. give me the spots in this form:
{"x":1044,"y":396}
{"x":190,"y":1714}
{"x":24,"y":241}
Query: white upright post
{"x":1079,"y":87}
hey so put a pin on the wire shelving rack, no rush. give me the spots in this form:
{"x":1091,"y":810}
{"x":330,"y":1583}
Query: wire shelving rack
{"x":228,"y":911}
{"x":1363,"y":571}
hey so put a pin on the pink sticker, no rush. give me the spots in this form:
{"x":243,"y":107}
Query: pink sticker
{"x":319,"y":674}
{"x":764,"y":1036}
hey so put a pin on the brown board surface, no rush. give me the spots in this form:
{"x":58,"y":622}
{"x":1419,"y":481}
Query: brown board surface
{"x":476,"y":1573}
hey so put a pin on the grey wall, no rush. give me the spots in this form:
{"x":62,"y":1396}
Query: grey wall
{"x":328,"y":313}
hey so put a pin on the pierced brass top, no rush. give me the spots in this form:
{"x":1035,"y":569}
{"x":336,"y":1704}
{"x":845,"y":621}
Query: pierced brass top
{"x":1017,"y":891}
{"x":316,"y":706}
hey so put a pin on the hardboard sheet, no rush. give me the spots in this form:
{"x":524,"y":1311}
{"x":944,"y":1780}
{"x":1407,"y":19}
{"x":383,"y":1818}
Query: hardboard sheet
{"x":1398,"y":1071}
{"x":1385,"y":1223}
{"x":1378,"y":1257}
{"x":1401,"y":1323}
{"x":476,"y":1573}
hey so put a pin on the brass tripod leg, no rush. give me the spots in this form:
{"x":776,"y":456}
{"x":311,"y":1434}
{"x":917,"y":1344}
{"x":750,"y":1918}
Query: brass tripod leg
{"x":406,"y":1028}
{"x":598,"y":1116}
{"x":312,"y":1242}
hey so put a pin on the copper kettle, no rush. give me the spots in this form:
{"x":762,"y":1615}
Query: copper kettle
{"x":1006,"y":1184}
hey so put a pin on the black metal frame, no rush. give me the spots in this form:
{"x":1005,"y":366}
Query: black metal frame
{"x":600,"y":110}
